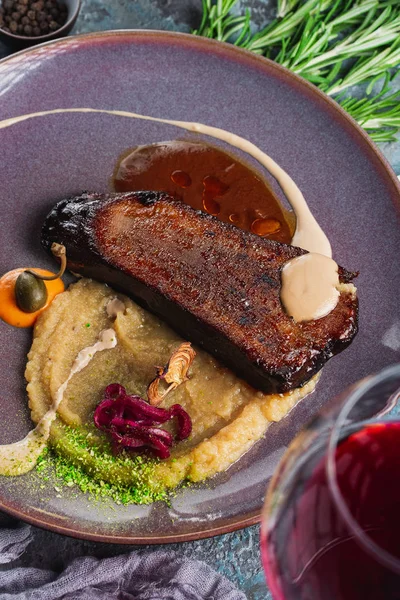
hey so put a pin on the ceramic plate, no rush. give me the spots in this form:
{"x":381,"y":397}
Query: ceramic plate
{"x":349,"y":186}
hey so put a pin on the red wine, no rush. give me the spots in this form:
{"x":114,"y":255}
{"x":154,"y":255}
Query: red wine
{"x":310,"y":553}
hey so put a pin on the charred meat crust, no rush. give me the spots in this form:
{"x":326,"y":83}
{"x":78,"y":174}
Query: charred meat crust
{"x":215,"y":284}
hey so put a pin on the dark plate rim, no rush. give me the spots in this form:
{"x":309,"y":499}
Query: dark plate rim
{"x":266,"y":66}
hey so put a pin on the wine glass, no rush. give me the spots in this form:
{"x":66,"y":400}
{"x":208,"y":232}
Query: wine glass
{"x":331,"y":522}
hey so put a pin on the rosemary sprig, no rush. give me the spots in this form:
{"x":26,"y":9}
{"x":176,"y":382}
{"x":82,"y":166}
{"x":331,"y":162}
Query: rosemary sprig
{"x":378,"y":114}
{"x":376,"y":31}
{"x":366,"y":69}
{"x":278,"y":31}
{"x":219,"y":24}
{"x":334,"y":44}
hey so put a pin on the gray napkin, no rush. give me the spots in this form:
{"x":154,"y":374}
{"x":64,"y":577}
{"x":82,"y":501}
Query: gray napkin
{"x":157,"y":575}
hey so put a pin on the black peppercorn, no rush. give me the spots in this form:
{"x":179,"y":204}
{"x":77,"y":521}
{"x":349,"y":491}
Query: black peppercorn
{"x":32,"y":17}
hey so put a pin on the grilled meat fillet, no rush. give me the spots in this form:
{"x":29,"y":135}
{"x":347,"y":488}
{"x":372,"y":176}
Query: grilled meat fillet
{"x":215,"y":284}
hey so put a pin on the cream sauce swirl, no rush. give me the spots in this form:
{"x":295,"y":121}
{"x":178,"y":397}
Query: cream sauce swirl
{"x":308,"y":233}
{"x":21,"y":457}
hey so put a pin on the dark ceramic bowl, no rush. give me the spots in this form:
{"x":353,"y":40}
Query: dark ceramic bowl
{"x":18,"y":42}
{"x":348,"y":184}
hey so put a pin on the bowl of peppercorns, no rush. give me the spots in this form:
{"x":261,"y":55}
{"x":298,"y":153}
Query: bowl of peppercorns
{"x":27,"y":22}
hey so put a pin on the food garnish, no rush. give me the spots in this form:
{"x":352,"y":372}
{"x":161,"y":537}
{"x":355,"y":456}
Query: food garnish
{"x":174,"y":373}
{"x":132,"y":423}
{"x":30,"y":289}
{"x":30,"y":292}
{"x":25,"y":293}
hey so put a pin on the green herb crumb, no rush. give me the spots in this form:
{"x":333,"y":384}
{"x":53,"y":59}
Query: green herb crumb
{"x":87,"y":450}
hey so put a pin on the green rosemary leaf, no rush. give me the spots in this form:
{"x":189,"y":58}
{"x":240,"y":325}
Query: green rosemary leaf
{"x":384,"y":30}
{"x":279,"y":29}
{"x":286,"y":6}
{"x":371,"y":67}
{"x":241,"y":29}
{"x":216,"y":20}
{"x":335,"y":44}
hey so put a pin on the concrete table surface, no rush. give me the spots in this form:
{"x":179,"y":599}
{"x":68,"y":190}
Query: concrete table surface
{"x":236,"y":555}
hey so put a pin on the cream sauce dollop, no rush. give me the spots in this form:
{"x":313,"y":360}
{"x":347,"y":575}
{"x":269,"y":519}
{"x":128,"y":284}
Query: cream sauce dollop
{"x":114,"y":307}
{"x":309,"y":287}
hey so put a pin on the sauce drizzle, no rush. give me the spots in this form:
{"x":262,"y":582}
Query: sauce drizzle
{"x":207,"y":178}
{"x":308,"y":233}
{"x":20,"y":457}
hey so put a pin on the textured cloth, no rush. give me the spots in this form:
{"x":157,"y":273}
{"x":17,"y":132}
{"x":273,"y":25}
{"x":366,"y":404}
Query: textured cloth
{"x":157,"y":575}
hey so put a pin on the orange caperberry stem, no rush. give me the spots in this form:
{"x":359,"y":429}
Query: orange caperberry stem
{"x":58,"y":251}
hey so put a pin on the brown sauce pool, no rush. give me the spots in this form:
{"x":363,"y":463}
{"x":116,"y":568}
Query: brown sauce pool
{"x":208,"y":179}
